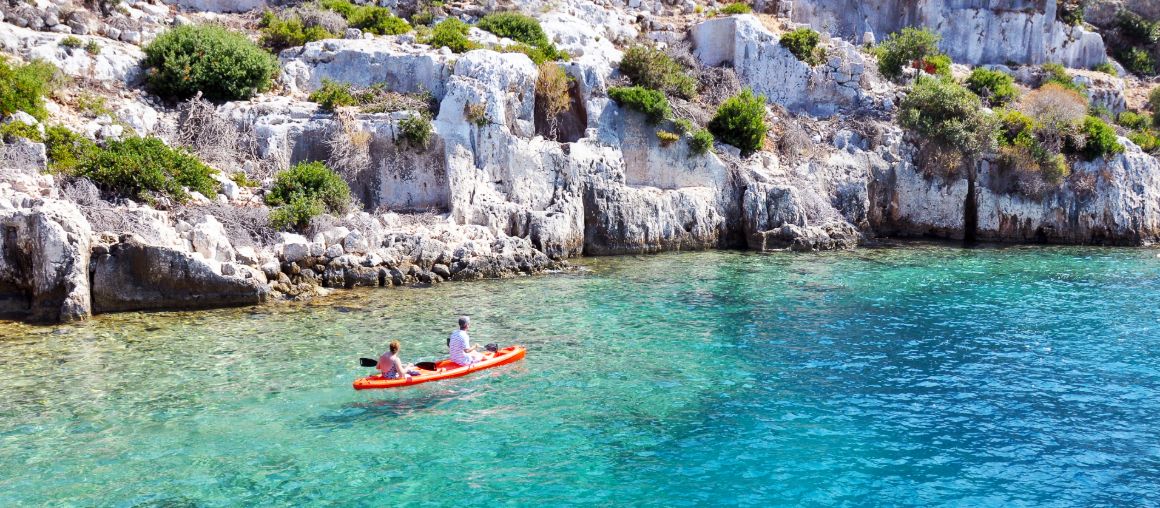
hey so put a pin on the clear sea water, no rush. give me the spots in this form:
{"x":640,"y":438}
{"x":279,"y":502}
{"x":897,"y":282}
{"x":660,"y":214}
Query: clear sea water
{"x":923,"y":376}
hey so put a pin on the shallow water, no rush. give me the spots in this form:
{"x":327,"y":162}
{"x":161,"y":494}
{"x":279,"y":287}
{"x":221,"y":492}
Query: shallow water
{"x":919,"y":376}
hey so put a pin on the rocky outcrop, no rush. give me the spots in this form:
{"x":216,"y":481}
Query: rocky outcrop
{"x":401,"y":66}
{"x":114,"y":62}
{"x":132,"y":275}
{"x":771,"y":70}
{"x":1113,"y":202}
{"x":973,"y":31}
{"x":44,"y":255}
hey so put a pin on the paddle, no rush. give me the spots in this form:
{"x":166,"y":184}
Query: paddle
{"x":367,"y":362}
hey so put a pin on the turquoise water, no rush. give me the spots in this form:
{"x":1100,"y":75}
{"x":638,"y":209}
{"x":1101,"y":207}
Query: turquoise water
{"x":919,"y":376}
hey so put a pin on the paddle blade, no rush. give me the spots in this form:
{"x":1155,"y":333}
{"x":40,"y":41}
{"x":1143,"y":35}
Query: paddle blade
{"x":367,"y":362}
{"x":425,"y":365}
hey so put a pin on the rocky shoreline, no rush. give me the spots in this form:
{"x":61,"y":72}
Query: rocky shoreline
{"x":501,"y":190}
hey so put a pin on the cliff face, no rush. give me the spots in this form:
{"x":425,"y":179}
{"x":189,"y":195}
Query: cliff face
{"x":973,"y":31}
{"x":493,"y":195}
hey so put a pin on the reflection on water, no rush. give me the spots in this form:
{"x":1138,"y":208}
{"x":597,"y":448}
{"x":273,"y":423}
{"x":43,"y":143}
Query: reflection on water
{"x":931,"y":375}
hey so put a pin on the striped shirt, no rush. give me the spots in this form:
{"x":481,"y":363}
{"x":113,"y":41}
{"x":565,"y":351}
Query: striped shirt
{"x":458,"y":344}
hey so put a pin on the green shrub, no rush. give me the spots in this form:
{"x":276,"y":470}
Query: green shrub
{"x":803,"y":43}
{"x":650,"y":102}
{"x":93,"y":48}
{"x":940,"y":110}
{"x":736,"y":8}
{"x":305,"y":190}
{"x":1054,"y":169}
{"x":20,"y":130}
{"x":333,"y":95}
{"x":280,"y":33}
{"x":650,"y":67}
{"x":1134,"y":121}
{"x":682,"y":125}
{"x":369,"y":18}
{"x":995,"y":87}
{"x":222,"y":65}
{"x":938,"y":65}
{"x":701,"y":142}
{"x":535,"y":54}
{"x":23,"y":87}
{"x":452,"y":34}
{"x":476,"y":114}
{"x":1099,"y":139}
{"x":416,"y":130}
{"x":1071,"y":11}
{"x":1136,"y":61}
{"x":72,"y":42}
{"x":93,"y":105}
{"x":242,"y":180}
{"x":296,"y":213}
{"x":740,"y":121}
{"x":667,"y":138}
{"x":1154,"y":105}
{"x":1014,"y":125}
{"x":1056,"y":73}
{"x":1137,"y":28}
{"x":1148,"y":141}
{"x":67,"y":149}
{"x":902,"y":48}
{"x":144,"y":167}
{"x":1106,"y":68}
{"x":422,"y":17}
{"x":522,"y":29}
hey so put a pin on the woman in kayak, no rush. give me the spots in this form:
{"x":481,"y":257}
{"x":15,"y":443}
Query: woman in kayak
{"x":392,"y":366}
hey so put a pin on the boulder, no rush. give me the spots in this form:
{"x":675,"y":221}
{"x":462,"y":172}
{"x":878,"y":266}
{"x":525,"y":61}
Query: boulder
{"x":209,"y":239}
{"x":134,"y":276}
{"x":44,"y":262}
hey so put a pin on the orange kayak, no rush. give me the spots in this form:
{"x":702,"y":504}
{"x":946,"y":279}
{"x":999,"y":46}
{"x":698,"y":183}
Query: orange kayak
{"x":444,"y":369}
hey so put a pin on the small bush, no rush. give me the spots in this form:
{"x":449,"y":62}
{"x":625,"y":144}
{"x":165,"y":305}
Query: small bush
{"x":369,"y":18}
{"x":416,"y":130}
{"x":803,"y":43}
{"x":305,"y":190}
{"x":67,"y":149}
{"x":72,"y":42}
{"x":740,"y":121}
{"x":93,"y":105}
{"x":682,"y":125}
{"x":1148,"y":141}
{"x":423,"y":17}
{"x":222,"y":65}
{"x":902,"y":48}
{"x":296,"y":213}
{"x":1137,"y":28}
{"x":667,"y":138}
{"x":333,"y":95}
{"x":701,"y":142}
{"x":937,"y":65}
{"x":12,"y":131}
{"x":650,"y":102}
{"x":736,"y":8}
{"x":144,"y":167}
{"x":943,"y":111}
{"x":477,"y":114}
{"x":1106,"y":68}
{"x":452,"y":34}
{"x":650,"y":67}
{"x":1055,"y":169}
{"x":23,"y":87}
{"x":1054,"y":73}
{"x":243,"y":180}
{"x":1099,"y":139}
{"x":996,"y":88}
{"x":1134,"y":121}
{"x":1136,"y":61}
{"x":523,"y":29}
{"x":1071,"y":11}
{"x":552,"y":94}
{"x":1154,"y":105}
{"x":279,"y":33}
